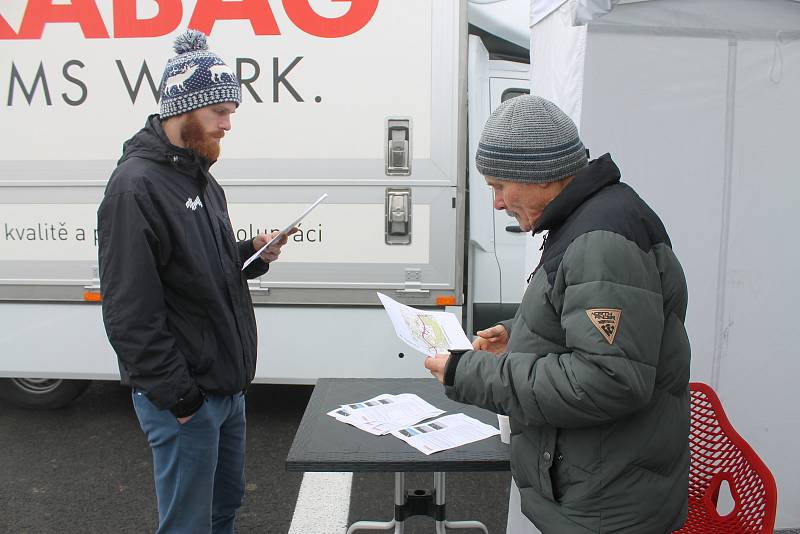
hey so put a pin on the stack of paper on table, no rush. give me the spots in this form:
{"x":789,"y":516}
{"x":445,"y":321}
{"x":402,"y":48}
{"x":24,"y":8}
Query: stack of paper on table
{"x":445,"y":433}
{"x":401,"y":415}
{"x":385,"y":413}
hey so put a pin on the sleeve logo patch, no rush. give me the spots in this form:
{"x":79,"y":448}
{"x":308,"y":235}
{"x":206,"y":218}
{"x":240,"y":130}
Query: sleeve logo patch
{"x":606,"y":320}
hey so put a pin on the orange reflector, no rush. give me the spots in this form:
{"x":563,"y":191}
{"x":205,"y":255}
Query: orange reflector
{"x":92,"y":296}
{"x":446,"y":300}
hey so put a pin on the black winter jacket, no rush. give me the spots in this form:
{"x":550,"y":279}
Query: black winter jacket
{"x":176,"y":305}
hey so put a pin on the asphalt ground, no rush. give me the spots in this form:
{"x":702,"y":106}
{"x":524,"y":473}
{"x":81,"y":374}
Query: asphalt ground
{"x":87,"y":469}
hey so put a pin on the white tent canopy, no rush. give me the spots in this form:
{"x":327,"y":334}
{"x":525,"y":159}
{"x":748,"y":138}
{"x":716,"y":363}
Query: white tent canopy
{"x":697,"y":101}
{"x":741,"y":19}
{"x":714,"y":15}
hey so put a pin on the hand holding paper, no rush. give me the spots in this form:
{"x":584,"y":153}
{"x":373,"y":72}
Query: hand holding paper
{"x":436,"y":365}
{"x":281,"y":236}
{"x":271,"y":244}
{"x":430,"y":332}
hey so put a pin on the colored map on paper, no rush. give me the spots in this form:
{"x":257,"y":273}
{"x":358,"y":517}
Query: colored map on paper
{"x":430,"y":332}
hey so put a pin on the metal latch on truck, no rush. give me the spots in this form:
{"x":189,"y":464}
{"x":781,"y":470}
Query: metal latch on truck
{"x":398,"y":147}
{"x":398,"y":216}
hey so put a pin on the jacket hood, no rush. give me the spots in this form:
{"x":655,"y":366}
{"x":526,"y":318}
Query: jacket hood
{"x":588,"y":181}
{"x":151,"y":143}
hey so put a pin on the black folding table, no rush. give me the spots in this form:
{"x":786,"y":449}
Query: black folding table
{"x":323,"y":444}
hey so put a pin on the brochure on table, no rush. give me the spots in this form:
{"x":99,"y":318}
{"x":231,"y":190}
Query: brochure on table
{"x":402,"y":415}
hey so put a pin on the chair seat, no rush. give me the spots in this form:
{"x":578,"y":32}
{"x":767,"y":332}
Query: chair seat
{"x":700,"y":520}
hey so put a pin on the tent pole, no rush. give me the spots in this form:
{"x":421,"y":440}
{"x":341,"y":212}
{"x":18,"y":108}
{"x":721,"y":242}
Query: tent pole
{"x":722,"y":324}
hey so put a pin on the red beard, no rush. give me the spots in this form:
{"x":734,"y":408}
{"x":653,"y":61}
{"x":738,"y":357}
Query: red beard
{"x":198,"y":141}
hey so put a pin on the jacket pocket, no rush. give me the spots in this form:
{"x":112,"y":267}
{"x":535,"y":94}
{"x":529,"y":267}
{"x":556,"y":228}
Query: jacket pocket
{"x":532,"y":452}
{"x":195,"y":339}
{"x":547,"y":447}
{"x":566,"y":478}
{"x":577,"y":460}
{"x":205,"y":356}
{"x":229,"y":252}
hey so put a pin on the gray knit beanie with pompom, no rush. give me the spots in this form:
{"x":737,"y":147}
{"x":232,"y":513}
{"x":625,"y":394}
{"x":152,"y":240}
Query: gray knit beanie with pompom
{"x":529,"y":139}
{"x":196,"y":77}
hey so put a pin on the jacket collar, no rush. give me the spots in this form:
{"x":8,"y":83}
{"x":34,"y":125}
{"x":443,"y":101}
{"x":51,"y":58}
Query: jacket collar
{"x":182,"y":158}
{"x":588,"y":181}
{"x":152,"y":143}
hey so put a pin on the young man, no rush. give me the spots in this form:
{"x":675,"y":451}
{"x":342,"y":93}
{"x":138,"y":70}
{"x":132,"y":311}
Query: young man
{"x":176,"y":304}
{"x":593,"y":371}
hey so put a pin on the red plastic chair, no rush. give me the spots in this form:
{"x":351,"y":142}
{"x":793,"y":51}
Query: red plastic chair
{"x":718,"y":453}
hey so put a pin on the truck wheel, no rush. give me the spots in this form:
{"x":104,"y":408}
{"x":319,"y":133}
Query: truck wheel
{"x":41,"y":393}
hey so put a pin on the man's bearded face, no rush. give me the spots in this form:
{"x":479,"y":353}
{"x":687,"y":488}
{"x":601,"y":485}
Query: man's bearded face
{"x":202,"y":140}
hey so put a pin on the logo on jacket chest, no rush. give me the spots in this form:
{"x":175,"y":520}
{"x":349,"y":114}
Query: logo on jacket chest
{"x":194,"y":204}
{"x":606,"y":320}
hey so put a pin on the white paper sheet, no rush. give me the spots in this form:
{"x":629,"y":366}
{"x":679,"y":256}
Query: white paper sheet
{"x":430,"y":332}
{"x":285,"y":231}
{"x":445,"y":433}
{"x":385,"y":413}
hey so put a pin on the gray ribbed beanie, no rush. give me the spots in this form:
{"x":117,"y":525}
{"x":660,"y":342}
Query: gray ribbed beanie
{"x":196,"y":77}
{"x":528,"y":139}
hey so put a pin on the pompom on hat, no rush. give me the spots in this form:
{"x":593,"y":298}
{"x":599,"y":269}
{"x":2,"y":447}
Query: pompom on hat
{"x":529,"y":139}
{"x":196,"y":77}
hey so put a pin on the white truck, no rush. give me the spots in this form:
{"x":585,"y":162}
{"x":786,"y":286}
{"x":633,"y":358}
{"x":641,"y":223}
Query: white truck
{"x":364,"y":100}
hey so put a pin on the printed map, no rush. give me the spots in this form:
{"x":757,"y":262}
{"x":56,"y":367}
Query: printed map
{"x":430,"y":332}
{"x":425,"y":329}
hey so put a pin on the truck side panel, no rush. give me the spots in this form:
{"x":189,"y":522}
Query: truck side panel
{"x":319,"y":91}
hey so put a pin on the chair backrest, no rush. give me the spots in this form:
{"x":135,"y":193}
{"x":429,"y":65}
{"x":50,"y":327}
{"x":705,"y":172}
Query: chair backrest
{"x":718,"y":453}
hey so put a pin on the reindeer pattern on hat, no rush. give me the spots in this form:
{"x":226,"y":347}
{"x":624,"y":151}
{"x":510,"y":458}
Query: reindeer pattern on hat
{"x":196,"y":77}
{"x":178,"y":78}
{"x":217,"y":71}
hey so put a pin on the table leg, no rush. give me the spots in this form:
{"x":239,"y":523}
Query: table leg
{"x":399,"y":500}
{"x":440,"y":499}
{"x":376,"y":525}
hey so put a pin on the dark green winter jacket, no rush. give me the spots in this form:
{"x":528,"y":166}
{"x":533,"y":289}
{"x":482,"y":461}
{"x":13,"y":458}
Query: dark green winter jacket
{"x":595,"y":380}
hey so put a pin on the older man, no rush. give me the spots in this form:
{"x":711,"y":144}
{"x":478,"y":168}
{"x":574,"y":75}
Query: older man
{"x":176,"y":304}
{"x":593,"y":370}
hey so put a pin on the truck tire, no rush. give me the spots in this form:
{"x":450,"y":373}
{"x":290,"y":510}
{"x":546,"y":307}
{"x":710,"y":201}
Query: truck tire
{"x":41,"y":393}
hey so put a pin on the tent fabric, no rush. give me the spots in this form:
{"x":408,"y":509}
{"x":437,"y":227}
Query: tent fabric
{"x":744,"y":19}
{"x":541,"y":8}
{"x":557,"y":71}
{"x":585,"y":10}
{"x":697,"y":100}
{"x":739,"y":19}
{"x":589,"y":10}
{"x":557,"y":55}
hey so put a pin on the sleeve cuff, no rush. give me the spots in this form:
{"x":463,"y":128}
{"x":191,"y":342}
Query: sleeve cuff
{"x":259,"y":267}
{"x":450,"y":368}
{"x":189,"y":403}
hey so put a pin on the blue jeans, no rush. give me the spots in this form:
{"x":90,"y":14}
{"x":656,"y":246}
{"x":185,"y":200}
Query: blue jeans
{"x":198,"y":465}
